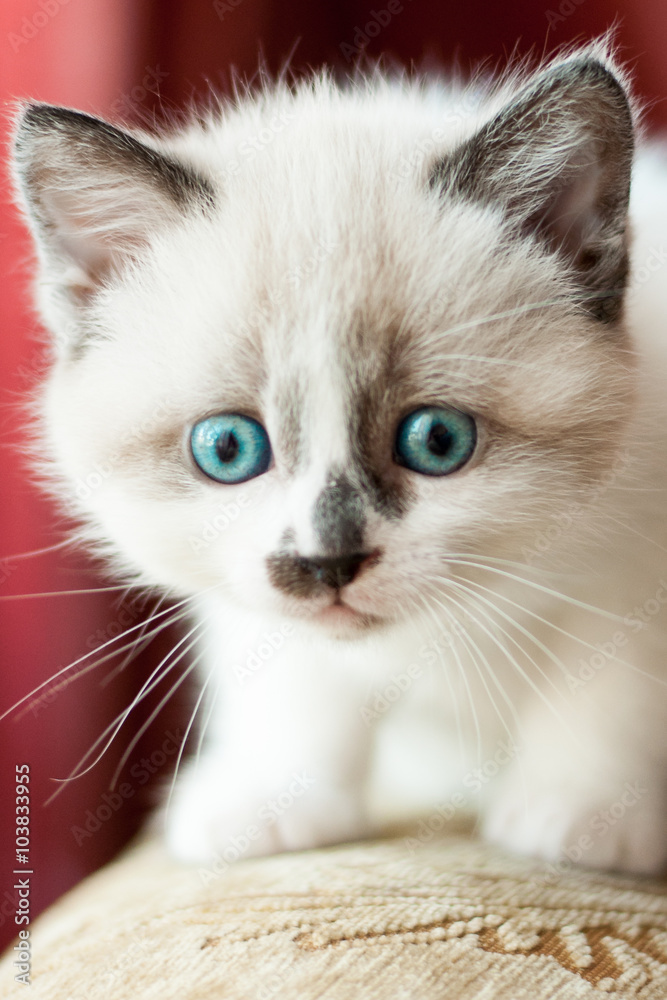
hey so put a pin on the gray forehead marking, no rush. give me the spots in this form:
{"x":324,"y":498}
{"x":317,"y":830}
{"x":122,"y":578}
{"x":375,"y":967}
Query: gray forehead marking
{"x":371,"y":430}
{"x":339,"y":515}
{"x":373,"y":396}
{"x":290,"y":407}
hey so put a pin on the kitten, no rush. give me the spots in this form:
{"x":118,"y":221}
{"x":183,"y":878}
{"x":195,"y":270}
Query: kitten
{"x":365,"y":373}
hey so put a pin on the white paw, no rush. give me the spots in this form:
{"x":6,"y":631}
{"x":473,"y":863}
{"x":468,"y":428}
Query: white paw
{"x":623,"y":830}
{"x":216,"y":814}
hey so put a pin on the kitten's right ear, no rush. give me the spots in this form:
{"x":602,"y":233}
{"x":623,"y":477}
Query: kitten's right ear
{"x":95,"y":194}
{"x":557,"y":159}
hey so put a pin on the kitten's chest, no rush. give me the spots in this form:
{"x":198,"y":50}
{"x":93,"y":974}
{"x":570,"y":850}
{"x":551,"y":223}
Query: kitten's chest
{"x":454,"y":667}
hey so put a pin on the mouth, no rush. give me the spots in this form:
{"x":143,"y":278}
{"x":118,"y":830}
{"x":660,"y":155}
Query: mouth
{"x":342,"y":616}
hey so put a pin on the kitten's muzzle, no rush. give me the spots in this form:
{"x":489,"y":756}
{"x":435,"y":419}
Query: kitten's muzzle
{"x":337,"y":572}
{"x":305,"y":577}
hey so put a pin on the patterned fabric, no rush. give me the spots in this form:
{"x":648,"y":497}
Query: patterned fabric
{"x":392,"y":919}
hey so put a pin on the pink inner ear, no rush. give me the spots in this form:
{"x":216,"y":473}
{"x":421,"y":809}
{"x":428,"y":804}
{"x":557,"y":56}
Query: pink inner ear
{"x":572,"y":218}
{"x":96,"y":229}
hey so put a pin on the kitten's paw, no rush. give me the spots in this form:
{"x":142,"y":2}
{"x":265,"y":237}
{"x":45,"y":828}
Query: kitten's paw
{"x":212,"y":818}
{"x":623,"y":831}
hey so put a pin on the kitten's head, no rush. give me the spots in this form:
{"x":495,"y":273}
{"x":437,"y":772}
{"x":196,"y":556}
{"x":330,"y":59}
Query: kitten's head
{"x":315,"y":351}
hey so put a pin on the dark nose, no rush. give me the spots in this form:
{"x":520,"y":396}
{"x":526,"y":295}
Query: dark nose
{"x":334,"y":572}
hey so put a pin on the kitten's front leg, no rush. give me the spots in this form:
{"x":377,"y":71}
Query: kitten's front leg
{"x":589,"y":787}
{"x":285,"y":764}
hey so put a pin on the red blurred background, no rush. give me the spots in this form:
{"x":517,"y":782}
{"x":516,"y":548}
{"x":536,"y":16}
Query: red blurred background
{"x":131,"y":60}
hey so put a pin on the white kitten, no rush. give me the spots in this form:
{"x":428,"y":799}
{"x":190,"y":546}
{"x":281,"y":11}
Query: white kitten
{"x":355,"y":370}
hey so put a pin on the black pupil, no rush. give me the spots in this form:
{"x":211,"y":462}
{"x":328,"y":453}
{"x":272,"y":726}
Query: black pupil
{"x":227,"y":446}
{"x":439,"y":440}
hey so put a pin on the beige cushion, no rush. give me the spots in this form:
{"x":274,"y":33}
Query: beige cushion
{"x":390,"y":919}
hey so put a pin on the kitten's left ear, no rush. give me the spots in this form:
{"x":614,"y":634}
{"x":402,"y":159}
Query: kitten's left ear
{"x":96,"y":194}
{"x":558,"y":159}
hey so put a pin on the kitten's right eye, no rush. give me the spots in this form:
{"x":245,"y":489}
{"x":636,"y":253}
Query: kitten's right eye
{"x":230,"y":447}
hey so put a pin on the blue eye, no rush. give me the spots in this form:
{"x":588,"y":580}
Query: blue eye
{"x":230,"y":448}
{"x":435,"y":440}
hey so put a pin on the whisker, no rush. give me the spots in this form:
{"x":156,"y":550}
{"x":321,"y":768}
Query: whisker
{"x":481,"y":557}
{"x":634,"y":531}
{"x":469,"y":639}
{"x":505,"y":314}
{"x":202,"y":734}
{"x":186,"y":673}
{"x":109,"y":642}
{"x":85,"y":656}
{"x":142,"y":641}
{"x":485,"y":359}
{"x":156,"y":676}
{"x":39,"y":552}
{"x":116,"y":724}
{"x":455,"y":700}
{"x":537,"y":586}
{"x":532,"y":638}
{"x":139,"y":646}
{"x":63,"y":593}
{"x":135,"y":646}
{"x":569,"y":635}
{"x":181,"y":750}
{"x":526,"y":677}
{"x":147,"y":687}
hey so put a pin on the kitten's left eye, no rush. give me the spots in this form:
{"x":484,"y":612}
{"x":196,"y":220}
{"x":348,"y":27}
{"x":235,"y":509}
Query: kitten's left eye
{"x":230,"y":447}
{"x":435,"y":440}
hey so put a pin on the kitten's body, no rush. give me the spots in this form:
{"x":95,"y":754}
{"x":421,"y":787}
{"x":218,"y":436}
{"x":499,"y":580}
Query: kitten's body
{"x":297,"y":266}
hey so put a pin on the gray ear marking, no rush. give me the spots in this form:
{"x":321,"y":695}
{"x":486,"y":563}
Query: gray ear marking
{"x":95,"y":193}
{"x":558,"y":161}
{"x":88,"y":135}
